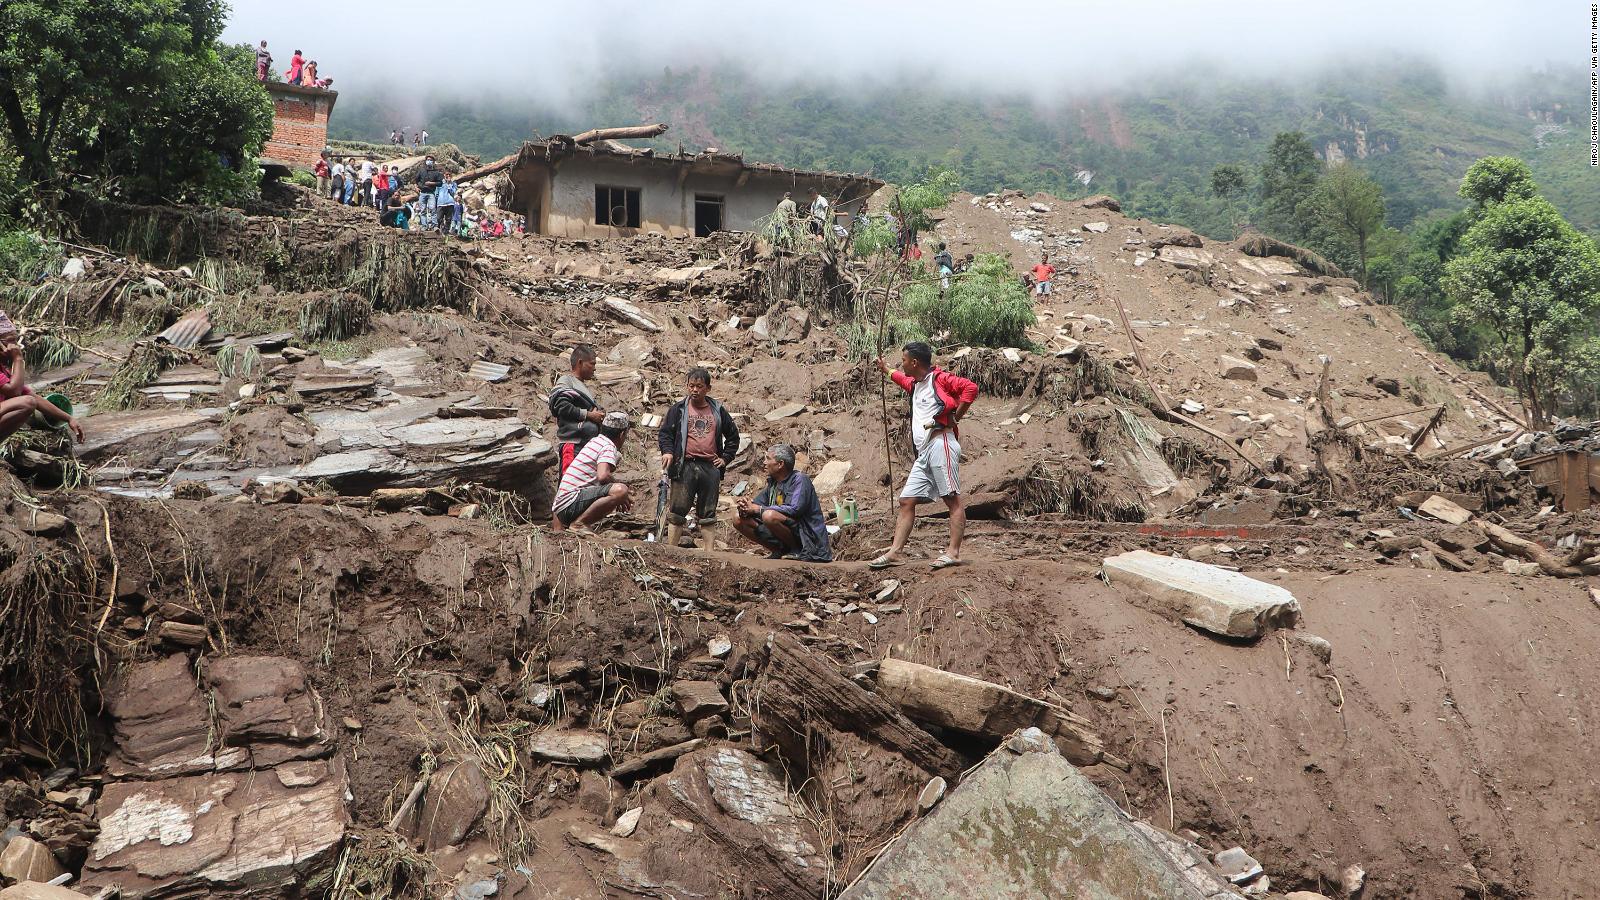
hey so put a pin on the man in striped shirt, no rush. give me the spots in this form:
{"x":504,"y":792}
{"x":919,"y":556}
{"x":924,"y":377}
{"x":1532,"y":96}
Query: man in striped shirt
{"x":588,"y":491}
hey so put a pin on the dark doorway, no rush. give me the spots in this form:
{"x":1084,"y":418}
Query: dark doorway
{"x":707,"y":214}
{"x":616,"y":206}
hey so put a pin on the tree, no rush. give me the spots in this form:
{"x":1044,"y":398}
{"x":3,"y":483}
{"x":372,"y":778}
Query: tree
{"x":1288,"y":178}
{"x":125,"y":88}
{"x":1534,"y":281}
{"x":1496,"y":179}
{"x":1227,"y":183}
{"x":1350,"y":205}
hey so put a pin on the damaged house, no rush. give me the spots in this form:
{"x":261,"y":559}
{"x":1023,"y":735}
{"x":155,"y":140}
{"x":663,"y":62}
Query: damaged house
{"x":573,"y":187}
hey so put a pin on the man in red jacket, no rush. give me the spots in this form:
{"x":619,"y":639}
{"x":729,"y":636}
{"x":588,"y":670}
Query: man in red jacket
{"x":938,"y":401}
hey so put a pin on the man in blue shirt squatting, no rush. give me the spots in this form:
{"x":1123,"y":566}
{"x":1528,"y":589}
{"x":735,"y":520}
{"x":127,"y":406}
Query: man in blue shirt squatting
{"x":786,"y":518}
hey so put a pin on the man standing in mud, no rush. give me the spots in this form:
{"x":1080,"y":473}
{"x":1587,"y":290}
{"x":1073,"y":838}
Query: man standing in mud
{"x":577,"y":415}
{"x":427,"y":193}
{"x":1043,"y":274}
{"x":697,"y":441}
{"x":939,"y":400}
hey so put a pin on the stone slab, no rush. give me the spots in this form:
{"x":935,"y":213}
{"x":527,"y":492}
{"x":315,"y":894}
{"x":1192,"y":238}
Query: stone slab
{"x":1024,"y":824}
{"x":244,"y":831}
{"x":1205,"y":596}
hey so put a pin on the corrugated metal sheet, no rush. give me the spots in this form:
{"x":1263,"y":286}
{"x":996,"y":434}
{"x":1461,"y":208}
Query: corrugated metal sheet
{"x":189,"y":331}
{"x":484,"y":370}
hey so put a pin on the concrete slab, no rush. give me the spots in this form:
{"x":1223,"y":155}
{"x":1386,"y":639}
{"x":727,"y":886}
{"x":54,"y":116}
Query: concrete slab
{"x":1025,"y":823}
{"x":1205,"y":596}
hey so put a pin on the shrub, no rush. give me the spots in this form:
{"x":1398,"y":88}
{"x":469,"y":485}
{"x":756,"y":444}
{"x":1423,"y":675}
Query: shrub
{"x":304,"y":179}
{"x":986,"y":306}
{"x":25,"y":257}
{"x":874,"y":237}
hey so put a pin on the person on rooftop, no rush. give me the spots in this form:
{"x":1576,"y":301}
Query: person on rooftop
{"x":309,"y":78}
{"x":820,"y":214}
{"x":786,"y":518}
{"x":18,"y":402}
{"x":297,"y":64}
{"x":263,"y":62}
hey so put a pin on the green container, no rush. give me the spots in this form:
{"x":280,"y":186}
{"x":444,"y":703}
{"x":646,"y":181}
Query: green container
{"x":62,"y":403}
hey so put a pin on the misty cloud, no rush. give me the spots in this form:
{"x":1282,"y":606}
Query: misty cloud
{"x":551,"y":51}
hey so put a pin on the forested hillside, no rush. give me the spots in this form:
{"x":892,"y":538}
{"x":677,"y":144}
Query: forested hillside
{"x":1153,"y":144}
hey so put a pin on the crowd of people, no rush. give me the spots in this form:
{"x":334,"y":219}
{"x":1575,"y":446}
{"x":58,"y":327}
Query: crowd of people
{"x":438,"y":206}
{"x":419,"y":137}
{"x":698,"y":439}
{"x":301,"y":71}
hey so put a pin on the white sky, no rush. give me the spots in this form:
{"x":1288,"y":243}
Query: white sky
{"x":551,"y":49}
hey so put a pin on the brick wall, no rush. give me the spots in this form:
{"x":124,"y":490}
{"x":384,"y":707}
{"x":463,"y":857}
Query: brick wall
{"x":299,"y":124}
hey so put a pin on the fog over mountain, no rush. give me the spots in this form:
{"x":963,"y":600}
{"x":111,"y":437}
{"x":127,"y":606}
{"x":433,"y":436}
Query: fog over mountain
{"x":554,"y":51}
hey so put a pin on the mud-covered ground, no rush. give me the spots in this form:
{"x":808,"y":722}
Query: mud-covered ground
{"x":1443,"y":747}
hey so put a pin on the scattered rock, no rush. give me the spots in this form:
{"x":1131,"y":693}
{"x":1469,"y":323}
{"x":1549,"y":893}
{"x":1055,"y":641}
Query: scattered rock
{"x":1202,"y":595}
{"x":75,"y":268}
{"x":1187,"y":257}
{"x":887,"y":589}
{"x":33,"y":890}
{"x":1096,"y":227}
{"x":1236,"y":369}
{"x":831,"y":479}
{"x":76,"y":799}
{"x":1236,"y":865}
{"x":1103,"y":694}
{"x":629,"y":313}
{"x":593,"y":839}
{"x":931,"y":794}
{"x":698,"y":699}
{"x":743,"y":806}
{"x":1319,"y":647}
{"x":1444,"y":510}
{"x":1352,"y":880}
{"x":627,"y":822}
{"x":785,"y":411}
{"x":1101,"y":201}
{"x":719,"y":646}
{"x":456,"y":798}
{"x":41,"y":523}
{"x":25,"y":859}
{"x":579,"y":748}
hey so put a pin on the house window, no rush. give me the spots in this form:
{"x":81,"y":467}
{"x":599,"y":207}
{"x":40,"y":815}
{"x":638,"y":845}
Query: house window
{"x":616,"y":206}
{"x":707,"y":214}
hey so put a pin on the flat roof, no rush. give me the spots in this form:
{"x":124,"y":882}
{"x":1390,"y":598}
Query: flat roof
{"x":560,"y":146}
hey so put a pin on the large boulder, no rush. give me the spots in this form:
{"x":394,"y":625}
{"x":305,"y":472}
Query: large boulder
{"x":162,"y":723}
{"x":457,"y":797}
{"x":264,"y":702}
{"x":246,"y":831}
{"x":1025,"y":823}
{"x":1216,"y":600}
{"x":742,"y":806}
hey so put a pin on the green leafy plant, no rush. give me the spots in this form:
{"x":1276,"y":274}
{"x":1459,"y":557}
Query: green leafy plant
{"x":986,"y":306}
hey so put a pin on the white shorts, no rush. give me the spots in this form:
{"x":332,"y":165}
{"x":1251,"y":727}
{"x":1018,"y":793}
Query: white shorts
{"x":937,"y":471}
{"x":1042,"y":287}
